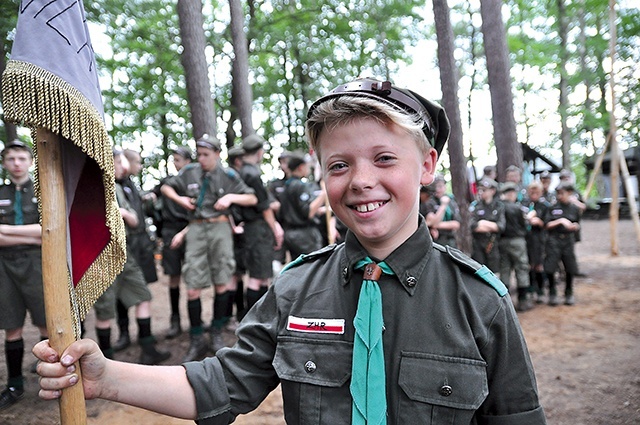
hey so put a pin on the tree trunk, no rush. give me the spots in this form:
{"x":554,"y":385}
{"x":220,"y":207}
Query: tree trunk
{"x":565,"y":136}
{"x":449,"y":84}
{"x":203,"y":115}
{"x":508,"y":150}
{"x":243,"y":96}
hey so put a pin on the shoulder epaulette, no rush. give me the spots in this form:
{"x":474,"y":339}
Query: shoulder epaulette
{"x":481,"y":271}
{"x":305,"y":258}
{"x":231,"y":173}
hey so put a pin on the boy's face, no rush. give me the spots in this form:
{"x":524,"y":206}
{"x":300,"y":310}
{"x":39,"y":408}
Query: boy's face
{"x":534,"y":194}
{"x":563,"y":196}
{"x":512,"y":176}
{"x":373,"y":175}
{"x":208,"y":158}
{"x":17,"y":162}
{"x":121,"y":166}
{"x":135,"y":165}
{"x":486,"y":193}
{"x":179,"y":161}
{"x":441,"y":189}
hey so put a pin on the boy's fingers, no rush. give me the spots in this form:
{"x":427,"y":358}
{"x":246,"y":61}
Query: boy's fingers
{"x":58,"y":383}
{"x":49,"y":395}
{"x":54,"y":370}
{"x":44,"y":352}
{"x":76,"y":350}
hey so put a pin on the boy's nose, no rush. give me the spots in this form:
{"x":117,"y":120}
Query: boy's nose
{"x":362,"y":178}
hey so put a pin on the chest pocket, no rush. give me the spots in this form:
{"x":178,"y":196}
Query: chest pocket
{"x":314,"y":376}
{"x":440,"y":389}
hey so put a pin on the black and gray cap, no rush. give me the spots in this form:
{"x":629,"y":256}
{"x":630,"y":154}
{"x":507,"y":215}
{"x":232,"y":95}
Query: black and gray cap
{"x":436,"y":124}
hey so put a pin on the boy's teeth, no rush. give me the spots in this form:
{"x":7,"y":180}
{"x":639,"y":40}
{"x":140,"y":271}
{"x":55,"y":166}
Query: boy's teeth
{"x":368,"y":207}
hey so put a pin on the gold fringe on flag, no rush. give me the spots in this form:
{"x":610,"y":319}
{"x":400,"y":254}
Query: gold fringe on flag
{"x":36,"y":98}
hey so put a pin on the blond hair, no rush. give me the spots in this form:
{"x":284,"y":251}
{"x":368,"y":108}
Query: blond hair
{"x":344,"y":110}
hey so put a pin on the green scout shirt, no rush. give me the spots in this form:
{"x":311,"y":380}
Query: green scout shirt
{"x":221,"y":182}
{"x":454,"y":351}
{"x":30,"y":214}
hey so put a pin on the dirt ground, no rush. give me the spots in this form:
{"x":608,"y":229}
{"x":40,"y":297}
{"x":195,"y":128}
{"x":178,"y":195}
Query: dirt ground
{"x":585,"y":356}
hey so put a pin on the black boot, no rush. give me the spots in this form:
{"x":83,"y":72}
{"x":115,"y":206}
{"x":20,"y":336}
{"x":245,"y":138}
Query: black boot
{"x":217,"y":340}
{"x":123,"y":342}
{"x":197,"y":348}
{"x":524,"y":302}
{"x":174,"y":328}
{"x":150,"y":354}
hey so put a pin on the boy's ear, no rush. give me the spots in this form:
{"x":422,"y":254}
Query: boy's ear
{"x":429,"y":161}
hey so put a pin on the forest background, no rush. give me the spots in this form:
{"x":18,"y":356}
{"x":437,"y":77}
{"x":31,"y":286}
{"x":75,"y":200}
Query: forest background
{"x":174,"y":70}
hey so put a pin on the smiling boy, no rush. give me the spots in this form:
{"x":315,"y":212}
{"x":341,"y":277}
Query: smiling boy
{"x":449,"y":348}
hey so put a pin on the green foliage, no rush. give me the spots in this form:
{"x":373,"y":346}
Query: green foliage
{"x":146,"y":93}
{"x":300,"y":49}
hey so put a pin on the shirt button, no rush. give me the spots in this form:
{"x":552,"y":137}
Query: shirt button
{"x":411,"y":281}
{"x":446,"y":391}
{"x":310,"y":367}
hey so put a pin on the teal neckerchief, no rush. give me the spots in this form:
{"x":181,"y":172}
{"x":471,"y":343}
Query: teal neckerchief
{"x":203,"y":189}
{"x":368,"y":383}
{"x":17,"y":207}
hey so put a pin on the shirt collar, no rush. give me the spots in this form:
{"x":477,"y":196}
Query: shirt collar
{"x":408,"y":261}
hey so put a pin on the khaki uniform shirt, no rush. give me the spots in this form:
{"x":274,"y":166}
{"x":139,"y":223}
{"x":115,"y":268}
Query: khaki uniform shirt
{"x":221,"y":182}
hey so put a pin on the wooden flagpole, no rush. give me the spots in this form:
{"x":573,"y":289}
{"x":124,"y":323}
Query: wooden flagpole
{"x":55,"y":272}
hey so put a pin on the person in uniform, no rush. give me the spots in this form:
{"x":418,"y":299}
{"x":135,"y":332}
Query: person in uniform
{"x":513,"y":174}
{"x":129,"y":288}
{"x":487,"y":223}
{"x":562,"y":222}
{"x":262,"y":232}
{"x":174,"y":220}
{"x":234,"y":161}
{"x":299,"y":205}
{"x":547,"y":194}
{"x":141,"y":245}
{"x":276,"y":190}
{"x":20,"y":264}
{"x":536,"y":237}
{"x":445,"y":342}
{"x":513,"y":245}
{"x":443,"y":214}
{"x":210,"y":190}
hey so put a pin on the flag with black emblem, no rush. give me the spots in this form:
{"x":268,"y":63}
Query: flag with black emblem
{"x":51,"y":82}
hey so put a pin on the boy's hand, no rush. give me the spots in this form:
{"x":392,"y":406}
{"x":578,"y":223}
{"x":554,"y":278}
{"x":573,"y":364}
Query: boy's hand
{"x":56,"y":374}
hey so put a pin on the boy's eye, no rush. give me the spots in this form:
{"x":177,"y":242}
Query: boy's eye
{"x":337,"y":166}
{"x":385,"y":158}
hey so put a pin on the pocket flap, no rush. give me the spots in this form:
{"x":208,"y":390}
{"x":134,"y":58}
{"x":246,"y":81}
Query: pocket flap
{"x":442,"y":380}
{"x":317,"y":362}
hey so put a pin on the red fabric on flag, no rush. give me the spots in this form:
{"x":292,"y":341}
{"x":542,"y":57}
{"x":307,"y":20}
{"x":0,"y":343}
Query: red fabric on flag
{"x":87,"y":229}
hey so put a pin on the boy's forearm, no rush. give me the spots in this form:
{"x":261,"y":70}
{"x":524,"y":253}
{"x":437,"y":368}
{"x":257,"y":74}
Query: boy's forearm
{"x":11,"y":240}
{"x":26,"y":230}
{"x":161,"y":389}
{"x":243,"y":199}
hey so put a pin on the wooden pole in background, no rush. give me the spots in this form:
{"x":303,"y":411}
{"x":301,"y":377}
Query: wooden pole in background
{"x":55,"y":272}
{"x":615,"y":162}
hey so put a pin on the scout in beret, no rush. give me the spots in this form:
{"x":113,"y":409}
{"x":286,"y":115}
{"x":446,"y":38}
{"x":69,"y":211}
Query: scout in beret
{"x":385,"y":328}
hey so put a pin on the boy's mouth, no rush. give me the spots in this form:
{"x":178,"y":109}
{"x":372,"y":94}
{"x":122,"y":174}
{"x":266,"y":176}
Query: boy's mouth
{"x":371,"y":206}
